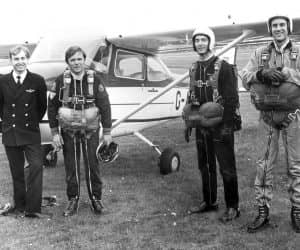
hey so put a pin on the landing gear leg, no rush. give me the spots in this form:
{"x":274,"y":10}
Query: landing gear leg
{"x":169,"y":160}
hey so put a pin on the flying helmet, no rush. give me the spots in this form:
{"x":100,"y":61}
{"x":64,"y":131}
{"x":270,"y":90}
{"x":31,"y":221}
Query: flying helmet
{"x":285,"y":17}
{"x":107,"y":153}
{"x":207,"y":32}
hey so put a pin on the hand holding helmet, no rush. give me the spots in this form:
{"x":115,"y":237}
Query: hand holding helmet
{"x":57,"y":142}
{"x":107,"y":139}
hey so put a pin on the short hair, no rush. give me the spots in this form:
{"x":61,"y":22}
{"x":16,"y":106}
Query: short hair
{"x":17,"y":49}
{"x":72,"y":51}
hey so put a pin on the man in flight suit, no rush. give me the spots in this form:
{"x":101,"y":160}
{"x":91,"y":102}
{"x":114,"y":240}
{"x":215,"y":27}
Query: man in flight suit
{"x":275,"y":68}
{"x":214,"y":80}
{"x":77,"y":104}
{"x":23,"y":103}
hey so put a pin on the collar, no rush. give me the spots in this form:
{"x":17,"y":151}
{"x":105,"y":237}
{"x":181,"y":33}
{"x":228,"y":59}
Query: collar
{"x":78,"y":77}
{"x":286,"y":45}
{"x":205,"y":58}
{"x":22,"y":76}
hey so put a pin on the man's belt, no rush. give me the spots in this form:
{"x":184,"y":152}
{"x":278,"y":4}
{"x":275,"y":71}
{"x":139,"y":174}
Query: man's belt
{"x":79,"y":106}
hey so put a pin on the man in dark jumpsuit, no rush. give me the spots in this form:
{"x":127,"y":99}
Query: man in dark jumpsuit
{"x":214,"y":80}
{"x":77,"y":105}
{"x":23,"y":103}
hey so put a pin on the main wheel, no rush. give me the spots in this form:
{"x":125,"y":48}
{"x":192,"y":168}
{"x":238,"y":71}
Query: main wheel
{"x":169,"y":161}
{"x":49,"y":160}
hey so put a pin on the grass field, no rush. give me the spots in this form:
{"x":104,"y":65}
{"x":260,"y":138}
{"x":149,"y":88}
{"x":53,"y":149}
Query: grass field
{"x":145,"y":210}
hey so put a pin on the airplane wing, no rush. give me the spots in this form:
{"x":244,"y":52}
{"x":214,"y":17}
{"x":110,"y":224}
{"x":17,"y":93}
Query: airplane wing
{"x":153,"y":42}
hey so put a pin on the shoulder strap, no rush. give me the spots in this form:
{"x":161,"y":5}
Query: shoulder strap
{"x":294,"y":52}
{"x":265,"y":56}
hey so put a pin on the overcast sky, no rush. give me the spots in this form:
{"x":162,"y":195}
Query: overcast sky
{"x":28,"y":20}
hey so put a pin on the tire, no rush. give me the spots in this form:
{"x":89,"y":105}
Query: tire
{"x":169,"y":161}
{"x":49,"y":162}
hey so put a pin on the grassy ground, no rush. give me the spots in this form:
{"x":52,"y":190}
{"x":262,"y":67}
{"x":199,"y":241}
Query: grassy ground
{"x":145,"y":210}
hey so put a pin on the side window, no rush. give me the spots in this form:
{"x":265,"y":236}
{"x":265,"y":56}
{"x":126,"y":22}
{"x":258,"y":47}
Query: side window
{"x":155,"y":71}
{"x":101,"y":59}
{"x":129,"y":65}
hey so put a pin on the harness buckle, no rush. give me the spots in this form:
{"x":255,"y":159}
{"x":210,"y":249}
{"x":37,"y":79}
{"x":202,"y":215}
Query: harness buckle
{"x":78,"y":100}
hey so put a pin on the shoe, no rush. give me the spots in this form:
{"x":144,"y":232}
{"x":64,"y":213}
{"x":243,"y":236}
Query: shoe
{"x":97,"y":206}
{"x":261,"y":221}
{"x":6,"y":209}
{"x":37,"y":215}
{"x":230,"y":214}
{"x":203,"y":208}
{"x":295,"y":216}
{"x":72,"y":207}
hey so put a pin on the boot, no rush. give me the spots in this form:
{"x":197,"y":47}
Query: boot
{"x":295,"y":216}
{"x":261,"y":221}
{"x":203,"y":207}
{"x":230,"y":214}
{"x":97,"y":206}
{"x":72,"y":207}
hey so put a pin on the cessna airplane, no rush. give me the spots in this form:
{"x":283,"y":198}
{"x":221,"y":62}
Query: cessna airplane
{"x":142,"y":90}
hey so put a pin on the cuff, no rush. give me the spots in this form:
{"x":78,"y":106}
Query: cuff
{"x":106,"y":131}
{"x":54,"y":131}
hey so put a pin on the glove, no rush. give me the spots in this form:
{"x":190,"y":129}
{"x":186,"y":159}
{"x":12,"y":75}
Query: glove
{"x":270,"y":75}
{"x":187,"y":134}
{"x":107,"y":139}
{"x":57,"y":142}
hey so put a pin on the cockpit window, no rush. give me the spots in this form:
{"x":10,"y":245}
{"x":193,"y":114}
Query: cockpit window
{"x":53,"y":48}
{"x":155,"y":70}
{"x":129,"y":65}
{"x":101,"y":60}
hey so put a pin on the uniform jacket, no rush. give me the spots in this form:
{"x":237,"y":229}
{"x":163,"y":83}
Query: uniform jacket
{"x":277,"y":59}
{"x":226,"y":86}
{"x":22,"y":108}
{"x":100,"y":95}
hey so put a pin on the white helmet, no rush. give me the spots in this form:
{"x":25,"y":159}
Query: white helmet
{"x":285,"y":17}
{"x":107,"y":153}
{"x":207,"y":32}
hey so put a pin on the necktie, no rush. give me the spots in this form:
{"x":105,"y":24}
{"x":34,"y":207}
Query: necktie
{"x":18,"y":80}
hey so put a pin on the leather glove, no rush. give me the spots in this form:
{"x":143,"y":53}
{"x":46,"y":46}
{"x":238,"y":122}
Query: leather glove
{"x":187,"y":134}
{"x":57,"y":142}
{"x":107,"y":139}
{"x":270,"y":75}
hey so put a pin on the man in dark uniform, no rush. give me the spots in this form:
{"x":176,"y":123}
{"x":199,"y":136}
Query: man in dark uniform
{"x":23,"y":103}
{"x":214,"y":80}
{"x":78,"y":104}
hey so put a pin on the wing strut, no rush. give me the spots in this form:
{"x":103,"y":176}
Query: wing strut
{"x":245,"y":34}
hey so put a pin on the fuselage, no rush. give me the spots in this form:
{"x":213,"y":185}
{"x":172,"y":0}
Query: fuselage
{"x":131,"y":77}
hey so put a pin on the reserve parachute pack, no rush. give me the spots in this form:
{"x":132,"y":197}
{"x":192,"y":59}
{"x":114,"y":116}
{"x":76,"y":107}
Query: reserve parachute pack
{"x":78,"y":112}
{"x":276,"y":97}
{"x":209,"y":114}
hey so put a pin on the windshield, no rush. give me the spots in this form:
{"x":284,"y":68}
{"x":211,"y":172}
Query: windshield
{"x":53,"y":48}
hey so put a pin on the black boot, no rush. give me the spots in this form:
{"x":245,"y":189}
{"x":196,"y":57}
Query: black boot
{"x":261,"y":221}
{"x":295,"y":216}
{"x":97,"y":206}
{"x":72,"y":207}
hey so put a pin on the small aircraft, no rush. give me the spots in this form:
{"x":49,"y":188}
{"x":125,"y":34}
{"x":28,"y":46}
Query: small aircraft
{"x":142,"y":90}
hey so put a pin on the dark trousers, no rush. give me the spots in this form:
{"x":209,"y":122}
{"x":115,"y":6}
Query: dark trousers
{"x":27,"y":196}
{"x":209,"y":146}
{"x":73,"y":144}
